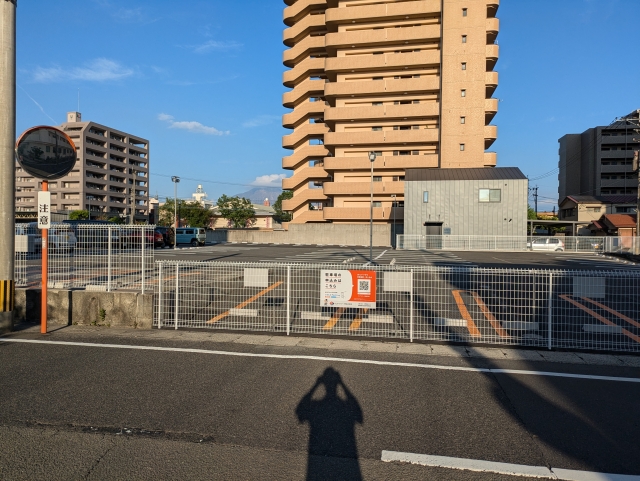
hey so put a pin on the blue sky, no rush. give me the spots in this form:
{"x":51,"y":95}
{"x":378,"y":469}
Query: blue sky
{"x":201,"y":79}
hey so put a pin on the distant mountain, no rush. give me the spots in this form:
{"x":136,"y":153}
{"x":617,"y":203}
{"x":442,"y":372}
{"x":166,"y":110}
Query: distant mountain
{"x":259,"y":194}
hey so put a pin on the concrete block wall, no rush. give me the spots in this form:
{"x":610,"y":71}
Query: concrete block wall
{"x":326,"y":234}
{"x":65,"y":307}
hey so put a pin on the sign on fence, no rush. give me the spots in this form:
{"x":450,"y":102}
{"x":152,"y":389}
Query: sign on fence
{"x":348,"y":289}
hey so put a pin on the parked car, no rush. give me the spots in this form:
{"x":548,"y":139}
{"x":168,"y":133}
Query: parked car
{"x":62,"y":239}
{"x":546,"y":244}
{"x":28,"y":238}
{"x":168,"y":235}
{"x":132,"y":238}
{"x":191,"y":235}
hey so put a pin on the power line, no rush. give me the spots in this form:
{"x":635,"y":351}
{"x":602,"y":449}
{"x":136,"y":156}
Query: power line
{"x":210,"y":181}
{"x":577,"y":156}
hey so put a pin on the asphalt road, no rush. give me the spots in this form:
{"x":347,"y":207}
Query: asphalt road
{"x":386,"y":256}
{"x":102,"y":412}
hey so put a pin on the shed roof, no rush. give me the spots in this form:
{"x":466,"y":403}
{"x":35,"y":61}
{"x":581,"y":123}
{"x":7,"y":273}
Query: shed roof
{"x":483,"y":173}
{"x":620,"y":220}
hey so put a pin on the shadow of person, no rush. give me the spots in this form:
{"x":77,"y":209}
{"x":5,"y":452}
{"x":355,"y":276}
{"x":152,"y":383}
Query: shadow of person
{"x":332,"y":452}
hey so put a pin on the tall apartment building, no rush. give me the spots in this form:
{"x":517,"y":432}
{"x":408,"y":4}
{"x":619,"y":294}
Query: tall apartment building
{"x":598,"y":162}
{"x":110,"y":178}
{"x":409,"y":80}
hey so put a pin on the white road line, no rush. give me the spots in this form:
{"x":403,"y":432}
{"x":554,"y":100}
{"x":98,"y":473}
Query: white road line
{"x":503,"y":468}
{"x":383,"y":253}
{"x":330,"y":359}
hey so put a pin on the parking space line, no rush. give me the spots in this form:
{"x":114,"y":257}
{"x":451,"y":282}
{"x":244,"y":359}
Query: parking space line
{"x":355,"y":325}
{"x":612,"y":311}
{"x":245,"y":303}
{"x":490,"y":317}
{"x":602,"y":319}
{"x":334,"y":319}
{"x":471,"y":326}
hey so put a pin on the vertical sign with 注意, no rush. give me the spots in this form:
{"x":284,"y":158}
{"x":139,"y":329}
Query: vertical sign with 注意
{"x":340,"y":288}
{"x":44,"y":210}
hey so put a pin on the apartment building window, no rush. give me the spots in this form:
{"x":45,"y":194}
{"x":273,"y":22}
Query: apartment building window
{"x":378,"y":153}
{"x":398,"y":178}
{"x":377,"y":78}
{"x":425,"y":197}
{"x":376,"y":129}
{"x":463,"y":120}
{"x":625,"y":210}
{"x":463,"y":93}
{"x":461,"y":147}
{"x":377,"y":178}
{"x":464,"y":12}
{"x":490,"y":195}
{"x":464,"y":39}
{"x":376,"y":104}
{"x":464,"y":65}
{"x":377,"y":203}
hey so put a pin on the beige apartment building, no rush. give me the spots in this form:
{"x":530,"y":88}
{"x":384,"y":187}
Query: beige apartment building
{"x":110,"y":178}
{"x":411,"y":80}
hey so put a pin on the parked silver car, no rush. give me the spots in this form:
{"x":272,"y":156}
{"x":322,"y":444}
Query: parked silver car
{"x":546,"y":244}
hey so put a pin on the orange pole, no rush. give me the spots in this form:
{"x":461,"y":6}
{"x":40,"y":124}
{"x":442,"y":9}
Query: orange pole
{"x":45,"y":266}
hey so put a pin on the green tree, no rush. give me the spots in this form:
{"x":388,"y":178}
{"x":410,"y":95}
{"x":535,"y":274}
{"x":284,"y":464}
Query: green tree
{"x":192,"y":214}
{"x":79,"y":215}
{"x":531,"y":214}
{"x":238,"y":211}
{"x":280,"y":215}
{"x":116,"y":220}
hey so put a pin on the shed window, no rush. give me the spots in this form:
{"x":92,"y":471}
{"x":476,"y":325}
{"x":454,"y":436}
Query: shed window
{"x":425,"y":197}
{"x":490,"y":195}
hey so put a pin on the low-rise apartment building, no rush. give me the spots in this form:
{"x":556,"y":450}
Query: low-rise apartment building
{"x":110,"y":178}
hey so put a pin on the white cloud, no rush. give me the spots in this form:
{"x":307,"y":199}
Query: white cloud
{"x":138,"y":15}
{"x":260,"y":120}
{"x":98,"y":70}
{"x":211,"y":45}
{"x":191,"y":126}
{"x":271,"y":180}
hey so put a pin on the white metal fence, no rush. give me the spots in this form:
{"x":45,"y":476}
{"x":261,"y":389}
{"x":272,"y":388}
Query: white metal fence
{"x":547,"y":309}
{"x":91,"y":256}
{"x":519,"y":243}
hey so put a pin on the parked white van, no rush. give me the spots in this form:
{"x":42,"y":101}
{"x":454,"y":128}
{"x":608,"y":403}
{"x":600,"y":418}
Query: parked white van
{"x":191,"y":235}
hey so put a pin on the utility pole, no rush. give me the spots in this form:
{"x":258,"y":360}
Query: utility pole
{"x":535,"y":198}
{"x":133,"y":204}
{"x":7,"y":161}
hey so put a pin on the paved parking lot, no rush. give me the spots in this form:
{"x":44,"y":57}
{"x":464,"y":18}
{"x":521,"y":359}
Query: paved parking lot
{"x":388,"y":256}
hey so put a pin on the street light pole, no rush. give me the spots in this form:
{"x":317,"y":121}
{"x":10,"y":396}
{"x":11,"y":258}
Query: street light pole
{"x":372,"y":158}
{"x":636,"y":168}
{"x":176,"y":181}
{"x":393,"y":212}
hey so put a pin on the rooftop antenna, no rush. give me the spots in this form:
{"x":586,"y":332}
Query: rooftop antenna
{"x":78,"y":99}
